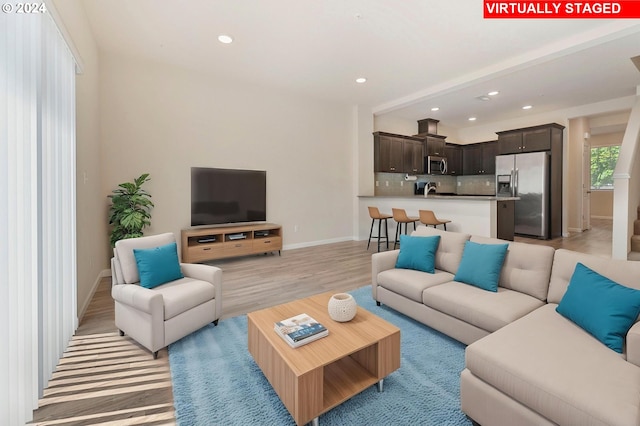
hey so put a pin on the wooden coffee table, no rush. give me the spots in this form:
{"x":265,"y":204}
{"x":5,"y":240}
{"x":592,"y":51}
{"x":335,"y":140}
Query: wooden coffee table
{"x":314,"y":378}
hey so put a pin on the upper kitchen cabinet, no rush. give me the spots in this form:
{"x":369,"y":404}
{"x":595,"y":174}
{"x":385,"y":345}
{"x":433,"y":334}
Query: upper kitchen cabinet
{"x":387,"y":153}
{"x":397,"y":153}
{"x":479,"y":158}
{"x":453,"y":154}
{"x":435,"y":145}
{"x":489,"y":152}
{"x":413,"y":156}
{"x":530,"y":139}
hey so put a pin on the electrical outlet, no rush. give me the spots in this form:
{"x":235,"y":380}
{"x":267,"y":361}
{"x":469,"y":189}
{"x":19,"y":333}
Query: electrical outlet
{"x":459,"y":183}
{"x":401,"y":183}
{"x":386,"y":183}
{"x":377,"y":183}
{"x":438,"y":183}
{"x":488,"y":183}
{"x":295,"y":228}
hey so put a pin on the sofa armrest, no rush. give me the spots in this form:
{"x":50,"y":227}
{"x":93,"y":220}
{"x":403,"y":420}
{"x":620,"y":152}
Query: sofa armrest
{"x":382,"y":261}
{"x":208,"y":273}
{"x":633,"y":344}
{"x":140,"y":298}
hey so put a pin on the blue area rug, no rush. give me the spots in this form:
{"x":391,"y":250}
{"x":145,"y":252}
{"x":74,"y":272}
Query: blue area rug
{"x":216,"y":381}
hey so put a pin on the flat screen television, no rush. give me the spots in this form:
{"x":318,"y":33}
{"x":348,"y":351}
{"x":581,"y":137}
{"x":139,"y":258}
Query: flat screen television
{"x":223,"y":196}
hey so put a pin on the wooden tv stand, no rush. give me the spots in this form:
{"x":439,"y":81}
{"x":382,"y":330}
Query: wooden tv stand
{"x":203,"y":244}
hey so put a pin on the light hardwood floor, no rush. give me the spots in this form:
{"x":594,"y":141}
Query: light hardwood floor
{"x":109,"y":380}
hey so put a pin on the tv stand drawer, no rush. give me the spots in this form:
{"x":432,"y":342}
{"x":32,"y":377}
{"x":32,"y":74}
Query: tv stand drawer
{"x":267,"y":244}
{"x":204,"y":252}
{"x":237,"y":248}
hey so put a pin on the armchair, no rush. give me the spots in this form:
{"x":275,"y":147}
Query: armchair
{"x":156,"y":317}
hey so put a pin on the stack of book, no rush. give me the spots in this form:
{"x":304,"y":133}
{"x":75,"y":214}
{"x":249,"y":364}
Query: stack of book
{"x":300,"y":330}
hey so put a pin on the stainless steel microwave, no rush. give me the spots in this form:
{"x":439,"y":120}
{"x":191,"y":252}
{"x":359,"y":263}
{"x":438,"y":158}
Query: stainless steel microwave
{"x":435,"y":165}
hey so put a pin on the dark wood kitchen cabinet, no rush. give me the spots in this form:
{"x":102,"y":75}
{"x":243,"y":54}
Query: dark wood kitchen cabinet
{"x":479,"y":158}
{"x":530,"y":139}
{"x":489,"y":152}
{"x":413,"y":155}
{"x":435,"y":145}
{"x":453,"y":154}
{"x":472,"y":159}
{"x":397,"y":153}
{"x":388,"y":154}
{"x":506,"y":219}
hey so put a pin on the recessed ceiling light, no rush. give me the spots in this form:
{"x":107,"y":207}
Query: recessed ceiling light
{"x":495,"y":92}
{"x":483,"y":98}
{"x":472,"y":118}
{"x":435,"y":109}
{"x":527,"y":107}
{"x":226,"y":39}
{"x":361,"y":80}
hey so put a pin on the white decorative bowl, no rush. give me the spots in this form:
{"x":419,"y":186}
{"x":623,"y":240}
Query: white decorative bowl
{"x":342,"y":307}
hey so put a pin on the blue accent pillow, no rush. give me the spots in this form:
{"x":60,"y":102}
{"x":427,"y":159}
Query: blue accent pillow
{"x":158,"y":265}
{"x":418,"y":253}
{"x":602,"y":307}
{"x":481,"y":265}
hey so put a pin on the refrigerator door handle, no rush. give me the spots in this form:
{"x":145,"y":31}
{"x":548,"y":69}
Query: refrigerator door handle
{"x":517,"y":178}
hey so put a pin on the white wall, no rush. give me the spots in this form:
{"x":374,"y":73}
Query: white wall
{"x":92,"y":241}
{"x":392,"y":124}
{"x":163,"y":120}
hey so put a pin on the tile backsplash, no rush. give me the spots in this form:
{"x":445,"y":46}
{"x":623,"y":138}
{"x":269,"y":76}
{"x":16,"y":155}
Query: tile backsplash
{"x":394,"y":184}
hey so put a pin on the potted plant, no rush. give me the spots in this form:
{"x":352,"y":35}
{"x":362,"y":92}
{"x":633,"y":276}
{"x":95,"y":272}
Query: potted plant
{"x":130,"y":208}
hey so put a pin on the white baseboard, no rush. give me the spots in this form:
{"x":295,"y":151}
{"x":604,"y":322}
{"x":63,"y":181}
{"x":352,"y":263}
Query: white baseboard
{"x":104,"y":273}
{"x":316,"y":243}
{"x":574,"y":229}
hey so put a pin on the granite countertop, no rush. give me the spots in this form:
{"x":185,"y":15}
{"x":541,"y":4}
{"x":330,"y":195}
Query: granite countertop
{"x":444,"y":197}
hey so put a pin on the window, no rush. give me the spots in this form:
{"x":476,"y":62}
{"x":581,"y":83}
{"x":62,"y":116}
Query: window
{"x":603,"y":163}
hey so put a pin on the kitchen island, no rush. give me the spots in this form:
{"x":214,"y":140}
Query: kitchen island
{"x":482,"y":215}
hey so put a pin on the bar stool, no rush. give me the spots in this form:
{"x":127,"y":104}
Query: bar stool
{"x":400,"y":216}
{"x":427,"y":217}
{"x":376,"y":215}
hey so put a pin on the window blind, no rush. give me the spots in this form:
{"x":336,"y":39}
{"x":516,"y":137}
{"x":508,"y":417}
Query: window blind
{"x":37,"y":208}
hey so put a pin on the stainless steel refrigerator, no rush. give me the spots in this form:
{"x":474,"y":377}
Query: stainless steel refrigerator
{"x":526,"y":176}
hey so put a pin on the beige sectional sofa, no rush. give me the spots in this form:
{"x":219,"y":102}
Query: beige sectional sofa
{"x":525,"y":364}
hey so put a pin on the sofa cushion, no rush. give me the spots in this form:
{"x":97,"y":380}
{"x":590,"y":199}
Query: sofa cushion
{"x":158,"y":265}
{"x":184,"y":294}
{"x":481,"y":265}
{"x":418,"y":253}
{"x":410,"y":283}
{"x":486,"y":310}
{"x":564,"y":263}
{"x":123,"y":251}
{"x":552,"y":366}
{"x":601,"y":306}
{"x":526,"y":268}
{"x":450,"y":248}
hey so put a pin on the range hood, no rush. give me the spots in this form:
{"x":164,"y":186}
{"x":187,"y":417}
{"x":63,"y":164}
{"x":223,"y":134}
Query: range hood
{"x":427,"y":126}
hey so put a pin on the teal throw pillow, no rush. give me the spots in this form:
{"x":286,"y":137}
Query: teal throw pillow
{"x":418,"y":253}
{"x":158,"y":265}
{"x":602,"y":307}
{"x":481,"y":265}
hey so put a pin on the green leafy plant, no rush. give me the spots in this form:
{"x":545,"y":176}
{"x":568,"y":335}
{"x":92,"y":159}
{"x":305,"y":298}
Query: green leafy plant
{"x":130,"y":210}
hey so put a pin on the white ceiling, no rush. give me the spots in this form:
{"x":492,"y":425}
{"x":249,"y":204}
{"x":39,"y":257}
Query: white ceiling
{"x":415,"y":53}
